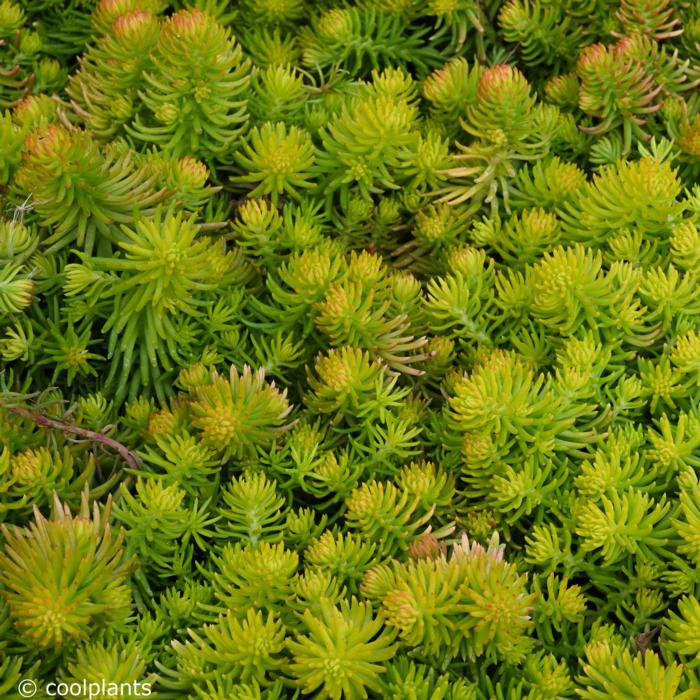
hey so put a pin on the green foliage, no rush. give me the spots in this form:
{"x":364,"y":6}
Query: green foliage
{"x":251,"y":510}
{"x":223,"y":650}
{"x":254,"y":577}
{"x":545,"y":33}
{"x":605,"y":206}
{"x":362,"y":39}
{"x":32,"y":476}
{"x":612,"y":671}
{"x":277,"y":161}
{"x":80,"y":190}
{"x":369,"y":144}
{"x":64,"y":578}
{"x":447,"y":607}
{"x":166,"y":266}
{"x":105,"y":91}
{"x":27,"y":65}
{"x":194,"y":96}
{"x":114,"y":663}
{"x":341,"y":652}
{"x":362,"y":340}
{"x":162,"y":528}
{"x":237,"y":414}
{"x":451,"y":90}
{"x":506,"y":127}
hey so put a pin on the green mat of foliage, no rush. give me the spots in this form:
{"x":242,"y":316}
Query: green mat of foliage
{"x":350,"y":349}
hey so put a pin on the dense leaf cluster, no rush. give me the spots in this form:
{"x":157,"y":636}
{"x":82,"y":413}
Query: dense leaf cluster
{"x":351,"y":349}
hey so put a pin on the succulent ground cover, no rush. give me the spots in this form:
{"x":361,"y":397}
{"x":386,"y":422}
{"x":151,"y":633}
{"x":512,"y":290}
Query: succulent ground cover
{"x":350,"y":349}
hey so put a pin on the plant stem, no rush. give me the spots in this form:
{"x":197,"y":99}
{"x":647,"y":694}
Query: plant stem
{"x":131,"y":458}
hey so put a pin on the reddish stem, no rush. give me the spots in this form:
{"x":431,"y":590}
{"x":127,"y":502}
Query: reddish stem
{"x":131,"y":458}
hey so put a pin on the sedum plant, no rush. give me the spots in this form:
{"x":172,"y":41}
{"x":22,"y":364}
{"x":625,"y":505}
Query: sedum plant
{"x":81,"y":191}
{"x":340,"y":654}
{"x":239,"y":413}
{"x":105,"y":90}
{"x":280,"y":157}
{"x":350,"y":350}
{"x":193,"y":98}
{"x":65,"y":577}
